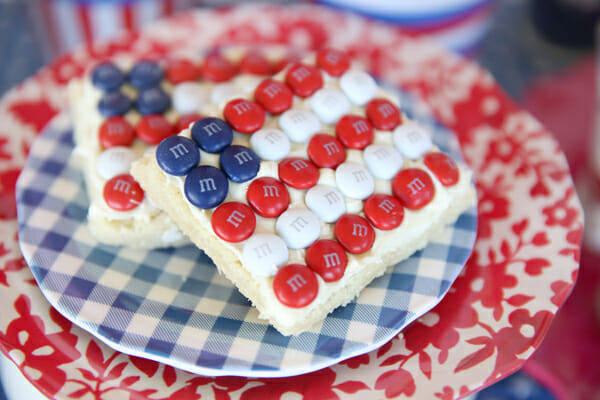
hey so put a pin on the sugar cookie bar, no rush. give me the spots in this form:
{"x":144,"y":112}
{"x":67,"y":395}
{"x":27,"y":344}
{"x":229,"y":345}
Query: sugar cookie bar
{"x":122,"y":107}
{"x":305,"y":190}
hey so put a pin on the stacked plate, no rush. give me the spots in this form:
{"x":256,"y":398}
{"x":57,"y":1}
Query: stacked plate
{"x":457,"y":24}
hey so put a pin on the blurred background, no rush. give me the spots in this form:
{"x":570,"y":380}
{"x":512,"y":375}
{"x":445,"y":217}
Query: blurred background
{"x":544,"y":53}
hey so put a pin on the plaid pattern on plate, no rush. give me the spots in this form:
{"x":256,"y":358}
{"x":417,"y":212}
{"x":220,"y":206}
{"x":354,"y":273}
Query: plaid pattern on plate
{"x":173,"y":306}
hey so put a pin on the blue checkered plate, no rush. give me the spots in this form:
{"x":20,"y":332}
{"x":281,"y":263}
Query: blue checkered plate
{"x":173,"y":306}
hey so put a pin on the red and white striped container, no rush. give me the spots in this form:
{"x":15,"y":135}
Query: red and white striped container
{"x":60,"y":25}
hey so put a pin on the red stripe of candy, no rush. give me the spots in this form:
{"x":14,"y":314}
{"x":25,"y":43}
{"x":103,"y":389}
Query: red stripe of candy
{"x":443,"y":167}
{"x":328,"y":259}
{"x":268,"y":197}
{"x":326,"y":151}
{"x":355,"y":132}
{"x":296,"y":285}
{"x":413,"y":187}
{"x":217,"y":68}
{"x":383,"y":114}
{"x":122,"y":193}
{"x":254,"y":62}
{"x":304,"y":79}
{"x":233,"y":222}
{"x":153,"y":128}
{"x":244,"y":116}
{"x":181,"y":70}
{"x":383,"y":211}
{"x":333,"y":61}
{"x":298,"y":173}
{"x":274,"y":96}
{"x":185,"y":120}
{"x":354,"y":233}
{"x":116,"y":131}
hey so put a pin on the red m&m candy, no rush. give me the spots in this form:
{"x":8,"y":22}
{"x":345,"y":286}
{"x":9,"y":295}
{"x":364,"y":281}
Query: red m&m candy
{"x":122,"y":193}
{"x":217,"y":68}
{"x":354,"y":131}
{"x":298,"y":173}
{"x":244,"y":116}
{"x":116,"y":131}
{"x":304,"y":79}
{"x":383,"y":114}
{"x":290,"y":58}
{"x":328,"y":259}
{"x":181,"y":70}
{"x":413,"y":187}
{"x":233,"y":222}
{"x":153,"y":128}
{"x":255,"y":62}
{"x":443,"y":167}
{"x":268,"y":197}
{"x":326,"y":151}
{"x":354,"y":233}
{"x":296,"y":285}
{"x":333,"y":61}
{"x":185,"y":120}
{"x":274,"y":96}
{"x":384,"y":211}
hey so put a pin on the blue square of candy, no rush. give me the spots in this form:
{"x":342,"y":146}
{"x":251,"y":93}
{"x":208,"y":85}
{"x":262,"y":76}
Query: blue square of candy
{"x":206,"y":186}
{"x":177,"y":155}
{"x":107,"y":76}
{"x":153,"y":101}
{"x":212,"y":134}
{"x":240,"y":163}
{"x":114,"y":103}
{"x":145,"y":74}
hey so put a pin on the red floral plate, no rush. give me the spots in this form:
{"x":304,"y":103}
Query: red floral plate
{"x":523,"y":266}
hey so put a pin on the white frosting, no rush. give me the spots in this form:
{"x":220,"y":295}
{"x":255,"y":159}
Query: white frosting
{"x":415,"y":223}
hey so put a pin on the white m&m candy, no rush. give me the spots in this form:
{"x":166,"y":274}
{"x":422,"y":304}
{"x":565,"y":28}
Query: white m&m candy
{"x":329,"y":105}
{"x":384,"y":161}
{"x":189,"y":97}
{"x":354,"y":180}
{"x":270,"y":144}
{"x":412,"y":140}
{"x":224,"y":92}
{"x":299,"y":227}
{"x":299,"y":125}
{"x":326,"y":202}
{"x":264,"y":253}
{"x":114,"y":161}
{"x":359,"y":86}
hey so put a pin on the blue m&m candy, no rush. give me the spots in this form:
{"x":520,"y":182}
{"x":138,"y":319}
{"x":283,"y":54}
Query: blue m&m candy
{"x":114,"y":103}
{"x":176,"y":155}
{"x":206,"y":186}
{"x":107,"y":76}
{"x":153,"y":101}
{"x":212,"y":134}
{"x":239,"y":163}
{"x":145,"y":74}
